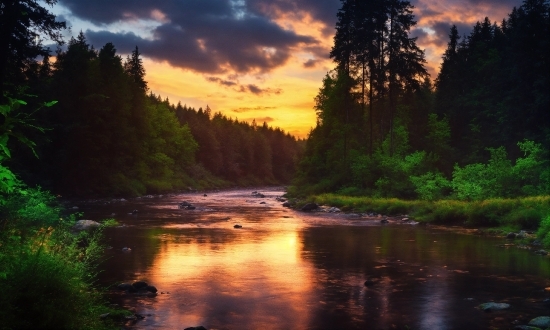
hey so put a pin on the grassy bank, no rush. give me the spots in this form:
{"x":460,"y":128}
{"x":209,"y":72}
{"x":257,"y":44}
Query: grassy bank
{"x":47,"y":270}
{"x":519,"y":213}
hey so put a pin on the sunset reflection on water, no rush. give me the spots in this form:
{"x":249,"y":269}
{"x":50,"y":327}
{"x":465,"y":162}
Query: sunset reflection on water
{"x":291,"y":270}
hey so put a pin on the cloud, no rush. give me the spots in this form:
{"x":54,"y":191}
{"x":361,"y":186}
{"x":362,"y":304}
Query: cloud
{"x":310,"y":63}
{"x":248,"y":109}
{"x":220,"y":81}
{"x":259,"y":120}
{"x":203,"y":36}
{"x":248,"y":88}
{"x":259,"y":91}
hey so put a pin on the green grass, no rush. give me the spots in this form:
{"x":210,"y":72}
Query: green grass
{"x":524,"y":213}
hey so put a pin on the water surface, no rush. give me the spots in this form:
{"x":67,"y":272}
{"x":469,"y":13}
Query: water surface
{"x":287,"y":269}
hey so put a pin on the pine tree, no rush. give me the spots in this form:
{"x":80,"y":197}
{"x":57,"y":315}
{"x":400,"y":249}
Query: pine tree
{"x":134,"y":68}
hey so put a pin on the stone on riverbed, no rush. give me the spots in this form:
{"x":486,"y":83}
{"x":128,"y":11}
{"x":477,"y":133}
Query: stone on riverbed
{"x":87,"y":225}
{"x":541,"y":322}
{"x":493,"y":306}
{"x":310,"y":207}
{"x":200,"y":327}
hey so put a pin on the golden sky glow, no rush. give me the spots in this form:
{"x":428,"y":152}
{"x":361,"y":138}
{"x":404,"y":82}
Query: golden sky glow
{"x":250,"y":59}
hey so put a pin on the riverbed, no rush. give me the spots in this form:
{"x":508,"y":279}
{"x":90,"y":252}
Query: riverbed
{"x":287,"y":269}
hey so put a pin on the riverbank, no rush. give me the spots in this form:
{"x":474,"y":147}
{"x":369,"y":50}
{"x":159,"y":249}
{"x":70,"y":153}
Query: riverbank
{"x":508,"y":214}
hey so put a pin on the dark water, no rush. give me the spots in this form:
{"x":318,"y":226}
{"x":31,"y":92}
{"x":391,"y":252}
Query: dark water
{"x":292,"y":270}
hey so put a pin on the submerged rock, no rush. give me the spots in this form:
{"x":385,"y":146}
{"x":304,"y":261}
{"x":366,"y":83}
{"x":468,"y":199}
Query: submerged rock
{"x":493,"y":306}
{"x":237,"y":226}
{"x":541,"y":322}
{"x":200,"y":327}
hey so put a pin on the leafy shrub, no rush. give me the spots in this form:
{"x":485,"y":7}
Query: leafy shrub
{"x":431,"y":186}
{"x":543,"y":233}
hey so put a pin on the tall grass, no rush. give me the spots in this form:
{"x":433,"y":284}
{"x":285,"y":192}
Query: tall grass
{"x":526,"y":212}
{"x":46,"y":271}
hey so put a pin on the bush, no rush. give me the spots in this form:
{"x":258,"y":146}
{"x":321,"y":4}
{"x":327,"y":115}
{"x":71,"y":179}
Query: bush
{"x":46,"y":272}
{"x":544,"y":231}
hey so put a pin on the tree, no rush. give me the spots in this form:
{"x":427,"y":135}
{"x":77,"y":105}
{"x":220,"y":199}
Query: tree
{"x":23,"y":26}
{"x":134,"y":68}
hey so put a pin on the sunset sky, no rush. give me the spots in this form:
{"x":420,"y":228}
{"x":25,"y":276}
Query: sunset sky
{"x":249,"y":59}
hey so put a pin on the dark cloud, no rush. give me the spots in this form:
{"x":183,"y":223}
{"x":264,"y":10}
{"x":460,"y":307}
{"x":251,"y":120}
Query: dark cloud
{"x":204,"y":36}
{"x":248,"y":109}
{"x":310,"y":63}
{"x":249,"y":88}
{"x":220,"y":81}
{"x":259,"y":91}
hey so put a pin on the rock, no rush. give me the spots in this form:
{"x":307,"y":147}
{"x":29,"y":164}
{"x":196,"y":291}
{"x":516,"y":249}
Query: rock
{"x":134,"y":211}
{"x":536,"y":243}
{"x":140,"y":284}
{"x":151,"y":288}
{"x":190,"y":207}
{"x":405,"y":219}
{"x":104,"y":316}
{"x":205,"y":195}
{"x":126,"y":249}
{"x":511,"y":235}
{"x":493,"y":306}
{"x":200,"y":327}
{"x":237,"y":226}
{"x":262,"y":202}
{"x":310,"y":207}
{"x":286,"y":204}
{"x":541,"y":252}
{"x":334,"y":210}
{"x":184,"y":204}
{"x":124,"y":286}
{"x":369,"y":282}
{"x":384,"y":220}
{"x":526,"y":327}
{"x":541,"y":322}
{"x":86,"y":225}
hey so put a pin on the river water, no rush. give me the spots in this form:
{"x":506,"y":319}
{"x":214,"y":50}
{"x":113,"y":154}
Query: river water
{"x":286,"y":269}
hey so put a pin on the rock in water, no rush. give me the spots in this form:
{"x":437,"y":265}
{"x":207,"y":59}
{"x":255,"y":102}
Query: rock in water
{"x":140,"y":284}
{"x":541,"y":322}
{"x":493,"y":306}
{"x":87,"y":225}
{"x":310,"y":207}
{"x":237,"y":226}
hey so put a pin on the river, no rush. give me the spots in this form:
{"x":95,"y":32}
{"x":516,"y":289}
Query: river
{"x":286,"y":269}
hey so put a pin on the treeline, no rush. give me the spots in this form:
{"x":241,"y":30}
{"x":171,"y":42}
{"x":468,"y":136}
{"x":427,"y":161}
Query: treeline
{"x":107,"y":136}
{"x":384,"y":129}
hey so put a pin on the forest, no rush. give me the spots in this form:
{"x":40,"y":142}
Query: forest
{"x":480,"y":130}
{"x":134,"y":142}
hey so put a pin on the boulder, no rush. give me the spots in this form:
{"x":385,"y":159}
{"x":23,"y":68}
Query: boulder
{"x":541,"y":252}
{"x":86,"y":225}
{"x":310,"y":207}
{"x":541,"y":322}
{"x":151,"y":288}
{"x":237,"y":226}
{"x":493,"y":306}
{"x":511,"y":235}
{"x":124,"y":286}
{"x":286,"y":204}
{"x":140,"y":284}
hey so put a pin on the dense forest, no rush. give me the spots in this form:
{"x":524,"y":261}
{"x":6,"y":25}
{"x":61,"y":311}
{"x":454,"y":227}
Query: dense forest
{"x":384,"y":129}
{"x":107,"y":135}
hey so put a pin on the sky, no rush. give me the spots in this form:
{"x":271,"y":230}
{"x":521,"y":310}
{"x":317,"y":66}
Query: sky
{"x":250,"y":59}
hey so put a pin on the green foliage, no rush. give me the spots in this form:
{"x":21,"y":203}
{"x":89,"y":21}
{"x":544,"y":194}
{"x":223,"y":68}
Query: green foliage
{"x":431,"y":186}
{"x":543,"y":233}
